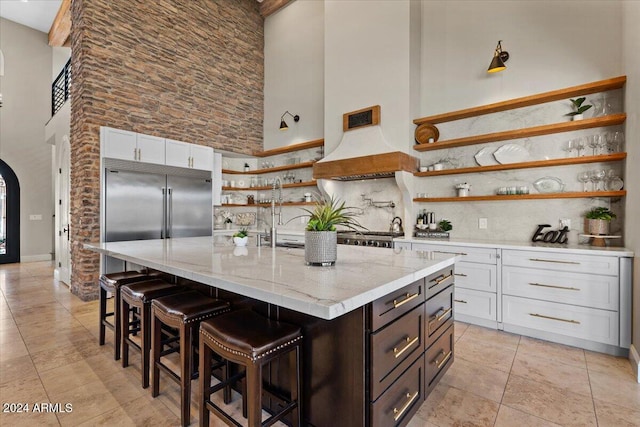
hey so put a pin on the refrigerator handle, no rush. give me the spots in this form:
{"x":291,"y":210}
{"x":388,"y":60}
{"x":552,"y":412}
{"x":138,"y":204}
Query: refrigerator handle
{"x":170,"y":213}
{"x":164,"y":213}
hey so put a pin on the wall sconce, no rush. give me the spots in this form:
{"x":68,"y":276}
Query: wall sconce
{"x":283,"y":124}
{"x":499,"y":58}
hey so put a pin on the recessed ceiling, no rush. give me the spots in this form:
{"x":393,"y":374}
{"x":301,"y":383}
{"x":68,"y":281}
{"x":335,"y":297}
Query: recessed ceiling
{"x":36,"y":14}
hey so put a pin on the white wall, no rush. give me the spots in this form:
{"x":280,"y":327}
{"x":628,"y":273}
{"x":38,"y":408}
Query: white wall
{"x":26,"y":90}
{"x":60,"y":56}
{"x":294,"y":73}
{"x":631,"y":67}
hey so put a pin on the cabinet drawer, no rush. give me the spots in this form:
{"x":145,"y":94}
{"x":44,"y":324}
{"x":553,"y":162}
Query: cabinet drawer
{"x":394,"y":305}
{"x":588,"y":290}
{"x":439,"y":310}
{"x":438,"y":358}
{"x":439,"y":281}
{"x":476,"y":303}
{"x":400,"y":341}
{"x":481,"y":255}
{"x":570,"y":320}
{"x":562,"y":262}
{"x":481,"y":277}
{"x":401,"y":401}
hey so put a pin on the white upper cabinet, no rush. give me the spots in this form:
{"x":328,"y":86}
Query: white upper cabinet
{"x":185,"y":155}
{"x":126,"y":145}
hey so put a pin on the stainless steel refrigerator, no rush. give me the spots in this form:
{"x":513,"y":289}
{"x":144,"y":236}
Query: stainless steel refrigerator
{"x":148,"y":204}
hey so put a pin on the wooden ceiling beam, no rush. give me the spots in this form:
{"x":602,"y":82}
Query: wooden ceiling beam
{"x":268,"y":7}
{"x":61,"y":27}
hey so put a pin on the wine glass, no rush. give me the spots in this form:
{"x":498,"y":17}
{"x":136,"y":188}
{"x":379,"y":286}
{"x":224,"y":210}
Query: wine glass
{"x":592,"y":142}
{"x":579,"y":145}
{"x":571,"y":145}
{"x":618,"y":141}
{"x":597,"y":176}
{"x":583,"y":177}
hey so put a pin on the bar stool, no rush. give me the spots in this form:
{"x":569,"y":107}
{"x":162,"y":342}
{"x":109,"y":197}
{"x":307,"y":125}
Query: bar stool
{"x":111,"y":283}
{"x":183,"y":312}
{"x":139,"y":295}
{"x":246,"y":338}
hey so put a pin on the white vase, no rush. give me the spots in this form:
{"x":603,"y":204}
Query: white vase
{"x":578,"y":117}
{"x":320,"y":247}
{"x":240,"y":241}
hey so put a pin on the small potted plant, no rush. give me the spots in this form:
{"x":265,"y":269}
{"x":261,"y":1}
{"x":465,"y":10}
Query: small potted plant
{"x":228,"y":219}
{"x":445,"y":225}
{"x":578,"y":108}
{"x":597,"y":221}
{"x":241,"y":237}
{"x":320,"y":237}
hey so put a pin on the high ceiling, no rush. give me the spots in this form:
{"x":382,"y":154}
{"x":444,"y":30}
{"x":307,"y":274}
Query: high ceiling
{"x":37,"y":14}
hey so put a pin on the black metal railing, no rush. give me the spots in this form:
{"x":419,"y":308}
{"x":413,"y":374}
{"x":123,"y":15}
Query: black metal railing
{"x":60,"y":88}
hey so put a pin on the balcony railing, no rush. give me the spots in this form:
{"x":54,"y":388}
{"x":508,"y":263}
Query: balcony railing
{"x":60,"y":88}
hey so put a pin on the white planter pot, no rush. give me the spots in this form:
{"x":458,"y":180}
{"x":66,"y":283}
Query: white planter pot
{"x":597,"y":226}
{"x":320,"y":247}
{"x":241,"y":241}
{"x":578,"y":117}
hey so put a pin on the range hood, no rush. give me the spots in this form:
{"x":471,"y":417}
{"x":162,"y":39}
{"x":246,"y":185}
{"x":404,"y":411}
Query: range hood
{"x":363,"y":152}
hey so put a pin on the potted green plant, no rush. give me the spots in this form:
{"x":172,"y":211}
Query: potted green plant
{"x":445,"y":225}
{"x":578,"y":108}
{"x":241,"y":237}
{"x":320,"y":237}
{"x":597,"y":220}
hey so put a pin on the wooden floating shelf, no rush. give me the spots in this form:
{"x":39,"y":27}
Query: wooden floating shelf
{"x":290,"y":148}
{"x":614,"y":119}
{"x":269,"y":170}
{"x":528,"y":165}
{"x":266,"y":205}
{"x":567,"y":195}
{"x":541,"y":98}
{"x":269,"y":187}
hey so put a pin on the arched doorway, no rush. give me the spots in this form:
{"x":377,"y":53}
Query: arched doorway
{"x":9,"y":215}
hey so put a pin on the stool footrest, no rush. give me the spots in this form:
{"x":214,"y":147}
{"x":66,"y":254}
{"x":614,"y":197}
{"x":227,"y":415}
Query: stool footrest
{"x":219,"y":412}
{"x":175,"y":377}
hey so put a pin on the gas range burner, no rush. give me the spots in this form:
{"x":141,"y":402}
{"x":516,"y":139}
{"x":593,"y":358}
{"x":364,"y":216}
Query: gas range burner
{"x":379,"y":239}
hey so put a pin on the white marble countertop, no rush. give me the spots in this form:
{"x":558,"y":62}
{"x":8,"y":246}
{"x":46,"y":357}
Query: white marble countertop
{"x":531,"y":246}
{"x":279,"y":276}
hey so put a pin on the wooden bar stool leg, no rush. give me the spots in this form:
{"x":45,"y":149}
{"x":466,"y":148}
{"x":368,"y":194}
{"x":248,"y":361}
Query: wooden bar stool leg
{"x":146,"y":343}
{"x":103,"y":314}
{"x":117,"y":329}
{"x":156,"y":350}
{"x":294,"y":376}
{"x":126,"y":325}
{"x":185,"y":374}
{"x":205,"y":382}
{"x":254,"y":394}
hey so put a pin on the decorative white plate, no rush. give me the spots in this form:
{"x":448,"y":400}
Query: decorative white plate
{"x":511,"y":153}
{"x":485,"y":157}
{"x":549,"y":184}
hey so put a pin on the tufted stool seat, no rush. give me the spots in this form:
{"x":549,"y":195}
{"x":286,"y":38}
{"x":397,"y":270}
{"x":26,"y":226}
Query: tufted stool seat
{"x":183,"y":312}
{"x":251,"y":340}
{"x":140,"y":295}
{"x":111,"y":283}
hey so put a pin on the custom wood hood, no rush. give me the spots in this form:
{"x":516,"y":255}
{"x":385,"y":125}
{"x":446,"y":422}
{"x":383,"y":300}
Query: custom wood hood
{"x":366,"y":167}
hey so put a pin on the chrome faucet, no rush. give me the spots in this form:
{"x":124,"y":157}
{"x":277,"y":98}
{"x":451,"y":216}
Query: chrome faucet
{"x":277,"y":183}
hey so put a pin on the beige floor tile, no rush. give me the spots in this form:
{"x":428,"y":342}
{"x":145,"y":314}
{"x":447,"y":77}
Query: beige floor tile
{"x":26,"y":391}
{"x":551,"y":372}
{"x":31,"y":419}
{"x":14,"y":347}
{"x":70,"y":376}
{"x":448,"y":406}
{"x":492,"y":355}
{"x":477,"y":379}
{"x":509,"y":417}
{"x":53,"y":358}
{"x":612,"y":387}
{"x":549,"y":402}
{"x":610,"y":415}
{"x":492,"y":335}
{"x":552,"y":351}
{"x":137,"y":412}
{"x":87,"y":401}
{"x":459,"y":329}
{"x":601,"y":362}
{"x":17,"y":368}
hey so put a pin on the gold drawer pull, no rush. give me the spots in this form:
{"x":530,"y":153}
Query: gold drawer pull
{"x":460,"y":301}
{"x":554,"y":318}
{"x":568,"y":288}
{"x":408,"y":298}
{"x":410,"y":342}
{"x":450,"y":253}
{"x":441,"y":279}
{"x":444,"y":314}
{"x":460,"y":274}
{"x":441,"y":363}
{"x":553,"y":260}
{"x":398,"y":412}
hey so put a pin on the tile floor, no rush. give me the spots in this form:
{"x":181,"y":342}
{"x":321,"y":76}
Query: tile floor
{"x":498,"y":379}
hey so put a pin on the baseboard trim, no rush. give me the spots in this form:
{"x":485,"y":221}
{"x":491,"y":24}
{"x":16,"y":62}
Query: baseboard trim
{"x":36,"y":258}
{"x":634,"y":358}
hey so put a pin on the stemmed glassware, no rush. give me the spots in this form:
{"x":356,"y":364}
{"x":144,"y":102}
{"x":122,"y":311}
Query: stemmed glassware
{"x":597,"y":176}
{"x":584,"y":177}
{"x":571,"y":145}
{"x":579,"y":144}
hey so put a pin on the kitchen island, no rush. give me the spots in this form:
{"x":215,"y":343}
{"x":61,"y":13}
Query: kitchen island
{"x":378,"y":325}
